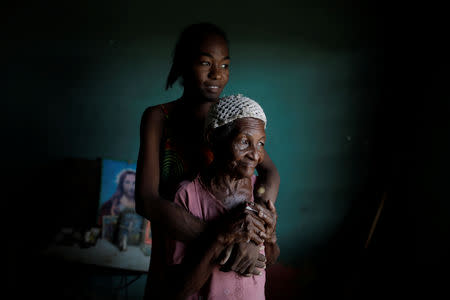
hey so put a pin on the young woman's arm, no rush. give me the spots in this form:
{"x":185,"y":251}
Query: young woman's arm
{"x":178,"y":223}
{"x":272,"y":251}
{"x":267,"y":182}
{"x":189,"y":277}
{"x":271,"y":246}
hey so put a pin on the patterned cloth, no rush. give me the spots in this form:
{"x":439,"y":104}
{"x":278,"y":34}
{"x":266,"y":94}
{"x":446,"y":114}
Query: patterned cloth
{"x":231,"y":108}
{"x":173,"y":166}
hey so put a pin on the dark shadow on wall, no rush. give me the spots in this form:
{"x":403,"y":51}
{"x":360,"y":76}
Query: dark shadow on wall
{"x":48,"y":196}
{"x":42,"y":97}
{"x":408,"y":254}
{"x":52,"y":195}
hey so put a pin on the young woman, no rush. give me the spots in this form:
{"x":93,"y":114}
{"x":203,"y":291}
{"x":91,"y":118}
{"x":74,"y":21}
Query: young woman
{"x":172,"y":148}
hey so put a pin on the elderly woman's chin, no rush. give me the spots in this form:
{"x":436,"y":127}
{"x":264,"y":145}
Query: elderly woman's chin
{"x":244,"y":172}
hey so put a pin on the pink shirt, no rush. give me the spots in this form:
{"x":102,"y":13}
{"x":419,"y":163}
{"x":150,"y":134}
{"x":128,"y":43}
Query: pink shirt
{"x":222,"y":285}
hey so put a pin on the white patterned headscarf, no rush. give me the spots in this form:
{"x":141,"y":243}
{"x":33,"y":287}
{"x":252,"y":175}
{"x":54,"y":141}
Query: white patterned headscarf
{"x":230,"y":108}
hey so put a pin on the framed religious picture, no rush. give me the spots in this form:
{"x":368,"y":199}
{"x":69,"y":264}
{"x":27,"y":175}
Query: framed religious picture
{"x":109,"y":227}
{"x":129,"y":229}
{"x":116,"y":194}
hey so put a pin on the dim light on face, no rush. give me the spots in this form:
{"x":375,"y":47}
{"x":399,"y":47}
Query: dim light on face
{"x":210,"y":69}
{"x":247,"y":147}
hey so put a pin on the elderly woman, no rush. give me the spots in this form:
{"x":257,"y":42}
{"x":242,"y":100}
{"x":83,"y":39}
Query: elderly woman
{"x":222,"y":195}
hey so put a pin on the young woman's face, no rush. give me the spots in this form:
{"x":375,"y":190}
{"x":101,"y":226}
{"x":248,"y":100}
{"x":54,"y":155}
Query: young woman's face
{"x":247,"y":147}
{"x":210,"y":69}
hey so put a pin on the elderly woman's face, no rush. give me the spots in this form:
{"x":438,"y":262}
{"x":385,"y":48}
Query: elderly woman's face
{"x":247,"y":147}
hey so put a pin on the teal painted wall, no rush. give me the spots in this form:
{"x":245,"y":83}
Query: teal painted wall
{"x":83,"y":79}
{"x":79,"y":77}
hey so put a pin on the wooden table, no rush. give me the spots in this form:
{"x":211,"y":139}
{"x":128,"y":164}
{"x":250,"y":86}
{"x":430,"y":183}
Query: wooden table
{"x":104,"y":254}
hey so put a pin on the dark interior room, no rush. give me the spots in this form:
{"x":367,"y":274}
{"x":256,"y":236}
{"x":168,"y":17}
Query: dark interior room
{"x":356,"y":99}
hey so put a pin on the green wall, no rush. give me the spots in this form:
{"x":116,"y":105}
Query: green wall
{"x":353,"y":91}
{"x":83,"y":75}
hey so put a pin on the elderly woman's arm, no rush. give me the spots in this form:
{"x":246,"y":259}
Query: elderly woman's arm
{"x":201,"y":257}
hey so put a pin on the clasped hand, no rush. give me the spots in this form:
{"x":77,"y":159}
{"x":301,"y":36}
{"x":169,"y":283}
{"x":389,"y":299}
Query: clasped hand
{"x":244,"y":231}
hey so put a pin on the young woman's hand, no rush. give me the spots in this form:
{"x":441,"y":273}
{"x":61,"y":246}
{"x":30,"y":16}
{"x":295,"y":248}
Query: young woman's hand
{"x":239,"y":225}
{"x":268,"y":215}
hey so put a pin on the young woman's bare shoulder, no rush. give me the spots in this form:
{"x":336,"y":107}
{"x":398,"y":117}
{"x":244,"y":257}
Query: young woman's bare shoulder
{"x":156,"y":114}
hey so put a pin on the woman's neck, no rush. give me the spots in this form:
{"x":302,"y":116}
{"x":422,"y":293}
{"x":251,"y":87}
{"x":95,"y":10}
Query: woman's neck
{"x":194,"y":106}
{"x":227,"y":188}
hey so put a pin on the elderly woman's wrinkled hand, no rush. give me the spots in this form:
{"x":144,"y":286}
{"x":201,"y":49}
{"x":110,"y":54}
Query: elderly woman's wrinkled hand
{"x":244,"y":259}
